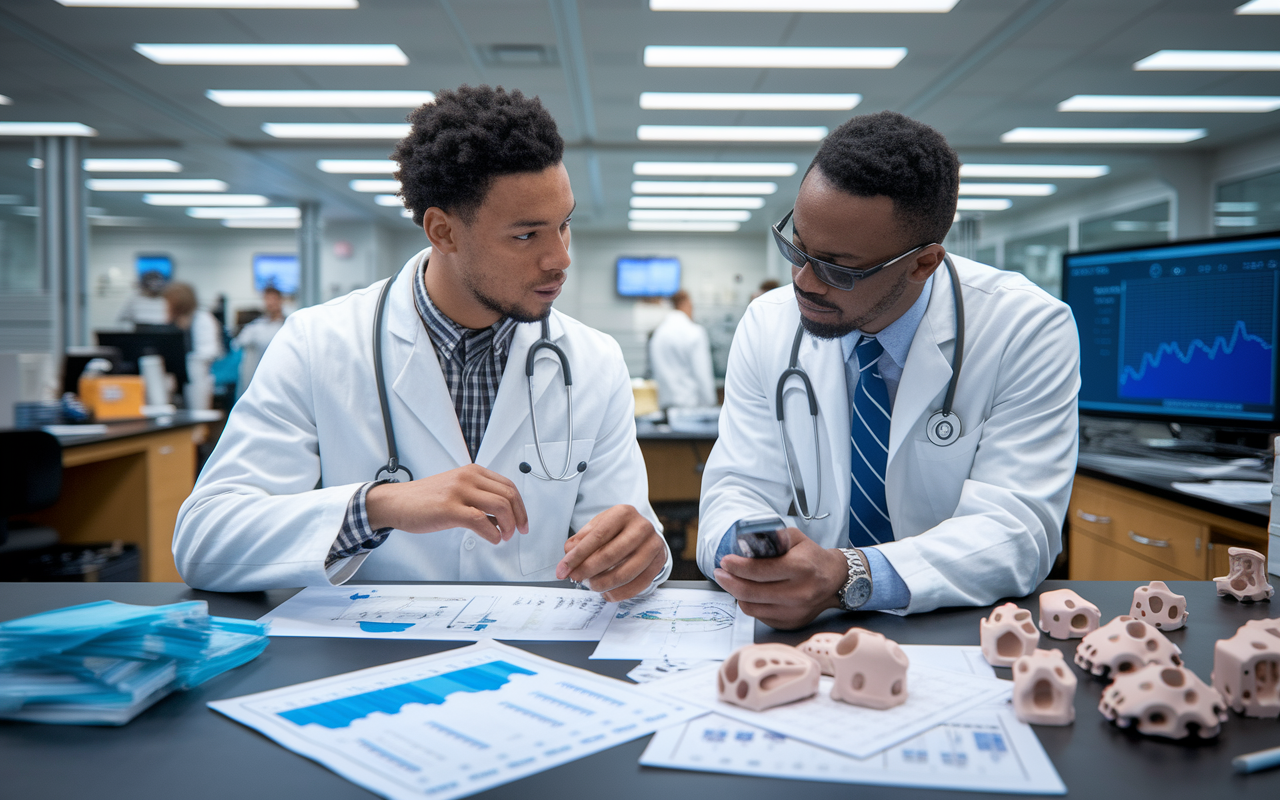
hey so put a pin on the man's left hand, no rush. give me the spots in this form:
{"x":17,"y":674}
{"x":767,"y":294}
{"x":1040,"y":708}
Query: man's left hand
{"x":788,"y":591}
{"x":618,"y":554}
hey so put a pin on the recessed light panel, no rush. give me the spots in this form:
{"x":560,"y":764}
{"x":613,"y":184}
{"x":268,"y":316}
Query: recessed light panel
{"x":983,"y":204}
{"x":1211,"y":61}
{"x":683,"y":227}
{"x":252,"y":98}
{"x":5,"y":101}
{"x":155,"y":185}
{"x":1014,"y":189}
{"x":1169,"y":104}
{"x":1259,"y":7}
{"x":336,"y":130}
{"x":357,"y":166}
{"x":704,"y":187}
{"x":389,"y":200}
{"x":45,"y":129}
{"x":1104,"y":135}
{"x":747,"y":101}
{"x":678,"y":215}
{"x":292,"y":4}
{"x":648,"y":201}
{"x":180,"y":199}
{"x":374,"y":186}
{"x":274,"y":55}
{"x":774,"y":57}
{"x":275,"y":212}
{"x":130,"y":165}
{"x":743,"y":169}
{"x":730,"y":133}
{"x":1033,"y":170}
{"x":263,"y":223}
{"x":812,"y":6}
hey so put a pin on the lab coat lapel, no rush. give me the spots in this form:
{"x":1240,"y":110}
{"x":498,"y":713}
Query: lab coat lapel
{"x":511,"y":406}
{"x":928,"y":366}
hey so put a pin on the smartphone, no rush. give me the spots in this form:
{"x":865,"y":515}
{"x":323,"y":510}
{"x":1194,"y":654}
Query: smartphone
{"x":758,"y":537}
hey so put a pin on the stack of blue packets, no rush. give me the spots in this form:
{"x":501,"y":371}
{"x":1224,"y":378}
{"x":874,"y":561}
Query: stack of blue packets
{"x":104,"y":663}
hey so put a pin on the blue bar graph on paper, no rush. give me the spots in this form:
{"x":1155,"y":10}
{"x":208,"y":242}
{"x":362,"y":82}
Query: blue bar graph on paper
{"x":428,"y":691}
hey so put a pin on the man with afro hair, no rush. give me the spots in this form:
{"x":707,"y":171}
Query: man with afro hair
{"x":910,"y":499}
{"x":300,"y":490}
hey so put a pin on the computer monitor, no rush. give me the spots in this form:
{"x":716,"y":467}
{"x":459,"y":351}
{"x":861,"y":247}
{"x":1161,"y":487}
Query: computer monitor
{"x":1180,"y":332}
{"x":166,"y":341}
{"x":648,"y":276}
{"x":280,"y":271}
{"x":160,"y":263}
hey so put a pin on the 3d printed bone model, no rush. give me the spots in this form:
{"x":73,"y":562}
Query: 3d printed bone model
{"x":1164,"y":701}
{"x":1066,"y":615}
{"x":761,"y":676}
{"x":1125,"y":645}
{"x":1007,"y":635}
{"x":1157,"y":604}
{"x":1246,"y":580}
{"x":1246,"y":668}
{"x":1044,"y":689}
{"x":870,"y":670}
{"x":820,"y":647}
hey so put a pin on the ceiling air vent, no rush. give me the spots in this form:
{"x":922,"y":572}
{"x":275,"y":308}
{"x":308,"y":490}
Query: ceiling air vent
{"x":519,"y":55}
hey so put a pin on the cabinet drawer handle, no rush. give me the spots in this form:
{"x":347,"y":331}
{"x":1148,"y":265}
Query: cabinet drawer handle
{"x":1148,"y":542}
{"x":1095,"y":518}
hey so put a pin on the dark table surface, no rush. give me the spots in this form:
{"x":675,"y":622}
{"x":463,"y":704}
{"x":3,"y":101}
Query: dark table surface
{"x":181,"y":749}
{"x":137,"y":427}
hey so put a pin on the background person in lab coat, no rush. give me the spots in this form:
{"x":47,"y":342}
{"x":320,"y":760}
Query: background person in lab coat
{"x":289,"y":497}
{"x":253,"y":338}
{"x":680,"y":357}
{"x":204,"y":342}
{"x":962,"y":524}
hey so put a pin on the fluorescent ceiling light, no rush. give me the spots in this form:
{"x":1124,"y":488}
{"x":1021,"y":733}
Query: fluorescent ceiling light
{"x":684,"y":227}
{"x":676,"y":215}
{"x":983,"y":204}
{"x":389,"y":200}
{"x":1211,"y":60}
{"x":647,"y":201}
{"x":1015,"y":189}
{"x":262,"y":223}
{"x":374,"y":186}
{"x":406,"y":213}
{"x":130,"y":165}
{"x":745,"y":169}
{"x":357,"y":166}
{"x":45,"y":129}
{"x":1235,"y":222}
{"x":813,"y":6}
{"x":210,"y":3}
{"x":336,"y":130}
{"x":1259,"y":7}
{"x":1033,"y":170}
{"x":155,"y":185}
{"x":199,"y":199}
{"x":252,"y":98}
{"x":1170,"y":104}
{"x":345,"y":55}
{"x":730,"y":133}
{"x":703,"y":187}
{"x":1104,"y":135}
{"x":747,"y":101}
{"x":1235,"y":208}
{"x":5,"y":101}
{"x":275,"y":212}
{"x":774,"y":57}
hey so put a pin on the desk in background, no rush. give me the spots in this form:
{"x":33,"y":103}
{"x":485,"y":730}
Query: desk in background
{"x":674,"y":460}
{"x":181,"y":748}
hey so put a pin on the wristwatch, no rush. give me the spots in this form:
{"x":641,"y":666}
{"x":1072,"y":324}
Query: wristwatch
{"x":857,"y":590}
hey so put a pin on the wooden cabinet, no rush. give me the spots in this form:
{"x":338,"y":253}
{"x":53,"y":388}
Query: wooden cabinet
{"x":1123,"y":534}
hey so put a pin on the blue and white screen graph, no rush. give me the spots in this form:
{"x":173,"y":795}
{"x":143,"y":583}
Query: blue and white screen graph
{"x":1180,"y":330}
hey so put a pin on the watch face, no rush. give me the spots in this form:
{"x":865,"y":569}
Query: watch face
{"x":858,"y":593}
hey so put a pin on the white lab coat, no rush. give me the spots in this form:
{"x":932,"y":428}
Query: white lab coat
{"x":974,"y":521}
{"x":680,"y":357}
{"x":308,"y":433}
{"x":252,"y":343}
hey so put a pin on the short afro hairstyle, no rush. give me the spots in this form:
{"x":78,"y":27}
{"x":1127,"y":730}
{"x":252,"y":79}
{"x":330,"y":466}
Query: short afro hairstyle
{"x":895,"y":156}
{"x":463,"y":140}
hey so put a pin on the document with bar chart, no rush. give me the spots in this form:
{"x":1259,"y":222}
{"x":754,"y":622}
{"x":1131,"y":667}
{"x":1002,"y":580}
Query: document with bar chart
{"x":452,"y":724}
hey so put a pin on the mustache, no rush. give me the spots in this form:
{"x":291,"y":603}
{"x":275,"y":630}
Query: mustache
{"x":813,"y":299}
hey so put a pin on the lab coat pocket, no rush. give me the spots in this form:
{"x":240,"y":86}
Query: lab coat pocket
{"x":549,"y":504}
{"x":943,"y":470}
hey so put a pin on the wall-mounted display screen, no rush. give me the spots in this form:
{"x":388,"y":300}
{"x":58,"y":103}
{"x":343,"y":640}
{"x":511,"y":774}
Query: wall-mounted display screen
{"x":648,"y":276}
{"x":154,"y":263}
{"x":280,"y":271}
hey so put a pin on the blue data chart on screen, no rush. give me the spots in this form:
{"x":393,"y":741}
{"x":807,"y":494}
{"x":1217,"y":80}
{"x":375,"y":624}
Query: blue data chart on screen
{"x":1179,"y":331}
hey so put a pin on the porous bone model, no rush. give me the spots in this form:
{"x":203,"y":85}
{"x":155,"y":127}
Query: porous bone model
{"x":1124,"y":645}
{"x":761,"y":676}
{"x":1164,"y":701}
{"x":1044,"y":689}
{"x":1007,"y":635}
{"x":819,"y":647}
{"x":1157,"y":604}
{"x":1246,"y":578}
{"x":1246,"y":668}
{"x":871,"y":671}
{"x":1066,"y":615}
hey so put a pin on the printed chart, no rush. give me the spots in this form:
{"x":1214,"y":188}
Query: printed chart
{"x":686,"y":624}
{"x":450,"y":613}
{"x":455,"y":723}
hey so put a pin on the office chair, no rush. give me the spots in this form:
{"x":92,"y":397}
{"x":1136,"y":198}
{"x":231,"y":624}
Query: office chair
{"x":30,"y":480}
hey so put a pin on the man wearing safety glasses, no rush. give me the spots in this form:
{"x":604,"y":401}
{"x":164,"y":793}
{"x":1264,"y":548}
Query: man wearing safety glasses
{"x":899,"y":430}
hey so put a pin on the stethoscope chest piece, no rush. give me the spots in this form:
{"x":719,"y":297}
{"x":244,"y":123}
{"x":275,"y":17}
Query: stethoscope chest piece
{"x":943,"y":428}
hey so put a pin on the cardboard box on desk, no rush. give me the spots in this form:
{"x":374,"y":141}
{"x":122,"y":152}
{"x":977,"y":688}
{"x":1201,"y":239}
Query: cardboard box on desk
{"x":110,"y":397}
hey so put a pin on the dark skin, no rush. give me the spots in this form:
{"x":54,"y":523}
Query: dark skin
{"x":509,"y":259}
{"x":789,"y":591}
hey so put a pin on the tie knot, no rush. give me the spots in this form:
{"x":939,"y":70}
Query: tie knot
{"x":868,"y":350}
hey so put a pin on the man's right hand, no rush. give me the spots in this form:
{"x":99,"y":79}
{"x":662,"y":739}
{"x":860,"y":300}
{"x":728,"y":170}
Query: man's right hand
{"x":467,"y":497}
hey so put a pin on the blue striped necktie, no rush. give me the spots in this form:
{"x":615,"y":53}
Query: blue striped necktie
{"x":869,"y":431}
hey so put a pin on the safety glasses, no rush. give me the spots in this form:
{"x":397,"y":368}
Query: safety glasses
{"x":833,"y":275}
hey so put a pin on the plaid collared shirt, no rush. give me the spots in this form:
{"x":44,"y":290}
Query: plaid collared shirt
{"x":472,"y":362}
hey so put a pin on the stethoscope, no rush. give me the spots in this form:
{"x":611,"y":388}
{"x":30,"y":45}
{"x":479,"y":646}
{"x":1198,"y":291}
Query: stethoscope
{"x":943,"y":427}
{"x":393,"y":464}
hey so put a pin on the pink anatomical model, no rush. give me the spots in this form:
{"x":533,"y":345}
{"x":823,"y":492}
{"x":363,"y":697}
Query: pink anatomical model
{"x":1044,"y":689}
{"x":871,"y":670}
{"x":819,"y":647}
{"x":1157,"y":604}
{"x":1124,"y":645}
{"x":1007,"y":635}
{"x":1066,"y":615}
{"x":1164,"y":701}
{"x":1246,"y":579}
{"x":1246,"y":668}
{"x":761,"y":676}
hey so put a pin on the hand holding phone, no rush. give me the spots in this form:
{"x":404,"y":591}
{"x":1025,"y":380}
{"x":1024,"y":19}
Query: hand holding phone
{"x":759,"y":537}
